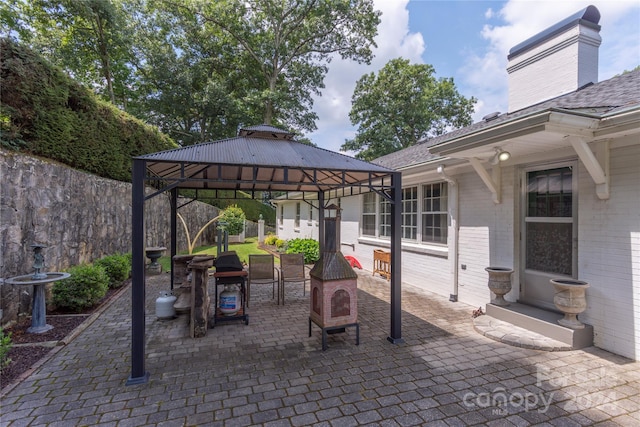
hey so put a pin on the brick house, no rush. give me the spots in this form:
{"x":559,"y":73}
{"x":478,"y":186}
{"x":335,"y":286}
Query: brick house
{"x":564,"y":202}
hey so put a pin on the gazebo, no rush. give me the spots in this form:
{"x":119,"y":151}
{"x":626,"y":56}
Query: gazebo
{"x":260,"y":159}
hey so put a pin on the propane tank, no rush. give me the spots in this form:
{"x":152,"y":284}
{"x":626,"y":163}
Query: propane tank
{"x":164,"y":306}
{"x":230,"y":300}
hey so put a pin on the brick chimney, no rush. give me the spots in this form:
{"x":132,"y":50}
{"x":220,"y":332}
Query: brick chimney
{"x":556,"y":61}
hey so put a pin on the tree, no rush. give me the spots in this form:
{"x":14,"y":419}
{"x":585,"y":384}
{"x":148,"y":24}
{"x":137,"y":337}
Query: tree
{"x":188,"y":81}
{"x":199,"y":69}
{"x":284,"y":46}
{"x":402,"y":105}
{"x":84,"y":37}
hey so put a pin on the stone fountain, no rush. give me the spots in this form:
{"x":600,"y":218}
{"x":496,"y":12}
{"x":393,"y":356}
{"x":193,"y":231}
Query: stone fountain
{"x":38,"y":279}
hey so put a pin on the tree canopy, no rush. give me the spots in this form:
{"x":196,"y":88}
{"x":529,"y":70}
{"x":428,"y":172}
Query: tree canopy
{"x":401,"y":105}
{"x":200,"y":69}
{"x":87,"y":38}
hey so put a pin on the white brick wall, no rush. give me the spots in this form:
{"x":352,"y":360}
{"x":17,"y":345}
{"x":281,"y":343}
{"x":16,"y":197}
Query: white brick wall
{"x":608,"y":247}
{"x":609,"y":254}
{"x":486,"y":236}
{"x":308,"y":228}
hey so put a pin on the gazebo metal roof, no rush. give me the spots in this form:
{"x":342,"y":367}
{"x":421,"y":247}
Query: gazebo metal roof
{"x":260,"y":158}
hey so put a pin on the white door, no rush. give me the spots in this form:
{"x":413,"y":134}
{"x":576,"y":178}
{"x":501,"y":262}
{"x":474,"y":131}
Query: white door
{"x":549,"y":230}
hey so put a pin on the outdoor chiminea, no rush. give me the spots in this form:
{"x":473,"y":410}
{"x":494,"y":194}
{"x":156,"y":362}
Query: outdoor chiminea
{"x":334,"y":286}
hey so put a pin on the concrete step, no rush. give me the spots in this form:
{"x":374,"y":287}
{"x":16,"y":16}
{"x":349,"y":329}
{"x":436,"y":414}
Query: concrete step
{"x":542,"y":322}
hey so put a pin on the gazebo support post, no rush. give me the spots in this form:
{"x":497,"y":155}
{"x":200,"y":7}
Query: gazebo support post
{"x":321,"y":221}
{"x":138,"y":373}
{"x":396,"y":249}
{"x":174,"y":230}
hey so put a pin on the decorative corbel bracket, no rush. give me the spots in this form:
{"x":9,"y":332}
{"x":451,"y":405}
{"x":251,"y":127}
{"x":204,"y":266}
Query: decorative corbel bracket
{"x":596,"y":164}
{"x":493,"y":183}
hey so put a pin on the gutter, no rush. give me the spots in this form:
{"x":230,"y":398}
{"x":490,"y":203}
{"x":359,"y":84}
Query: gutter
{"x":520,"y":126}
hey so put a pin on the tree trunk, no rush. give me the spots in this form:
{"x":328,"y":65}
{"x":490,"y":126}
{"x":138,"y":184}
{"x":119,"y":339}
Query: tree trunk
{"x":104,"y":60}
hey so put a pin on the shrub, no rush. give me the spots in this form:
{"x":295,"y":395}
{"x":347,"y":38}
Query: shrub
{"x":270,"y":240}
{"x":87,"y":285}
{"x":234,"y":218}
{"x":118,"y":268}
{"x":280,"y":244}
{"x":5,"y":346}
{"x":46,"y":113}
{"x":309,"y":247}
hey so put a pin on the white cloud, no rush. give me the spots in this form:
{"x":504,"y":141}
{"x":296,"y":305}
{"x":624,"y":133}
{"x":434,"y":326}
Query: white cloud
{"x":394,"y":40}
{"x":484,"y":73}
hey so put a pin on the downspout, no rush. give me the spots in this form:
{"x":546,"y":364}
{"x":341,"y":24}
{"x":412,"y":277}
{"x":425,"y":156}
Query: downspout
{"x":454,"y":229}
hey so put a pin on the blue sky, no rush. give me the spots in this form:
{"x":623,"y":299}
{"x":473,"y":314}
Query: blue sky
{"x":469,"y":41}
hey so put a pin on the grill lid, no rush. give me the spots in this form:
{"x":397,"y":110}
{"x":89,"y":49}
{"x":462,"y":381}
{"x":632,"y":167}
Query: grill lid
{"x":228,"y":261}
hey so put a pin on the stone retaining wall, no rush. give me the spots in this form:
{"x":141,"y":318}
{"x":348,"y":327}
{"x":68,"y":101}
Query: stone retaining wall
{"x":79,"y":217}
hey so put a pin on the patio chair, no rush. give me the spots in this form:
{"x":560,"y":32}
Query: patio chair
{"x":293,"y":271}
{"x":263,"y":272}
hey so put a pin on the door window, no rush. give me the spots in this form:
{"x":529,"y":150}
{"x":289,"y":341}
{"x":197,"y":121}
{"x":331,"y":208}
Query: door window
{"x":549,"y":221}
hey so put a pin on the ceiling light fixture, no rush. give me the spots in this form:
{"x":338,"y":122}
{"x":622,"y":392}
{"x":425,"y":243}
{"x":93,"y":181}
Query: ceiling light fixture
{"x":500,"y":156}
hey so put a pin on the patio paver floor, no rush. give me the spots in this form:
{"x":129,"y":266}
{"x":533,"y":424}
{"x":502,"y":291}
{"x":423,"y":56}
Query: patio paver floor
{"x":272,"y":373}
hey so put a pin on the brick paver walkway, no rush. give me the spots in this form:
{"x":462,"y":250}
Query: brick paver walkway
{"x":271,"y":373}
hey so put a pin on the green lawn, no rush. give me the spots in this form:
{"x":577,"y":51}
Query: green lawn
{"x":250,"y":246}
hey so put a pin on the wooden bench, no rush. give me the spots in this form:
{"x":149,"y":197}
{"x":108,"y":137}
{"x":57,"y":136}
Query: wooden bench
{"x":382,"y":263}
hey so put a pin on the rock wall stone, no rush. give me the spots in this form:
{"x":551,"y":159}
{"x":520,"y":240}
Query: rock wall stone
{"x":79,"y":217}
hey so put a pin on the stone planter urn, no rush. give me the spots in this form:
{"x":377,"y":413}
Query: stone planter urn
{"x":499,"y":283}
{"x":570,"y":298}
{"x":154,"y":254}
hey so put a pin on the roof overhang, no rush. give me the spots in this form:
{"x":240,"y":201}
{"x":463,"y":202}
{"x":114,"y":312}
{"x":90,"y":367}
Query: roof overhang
{"x":540,"y":133}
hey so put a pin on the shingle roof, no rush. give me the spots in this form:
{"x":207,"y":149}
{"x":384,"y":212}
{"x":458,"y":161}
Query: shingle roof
{"x":597,"y":100}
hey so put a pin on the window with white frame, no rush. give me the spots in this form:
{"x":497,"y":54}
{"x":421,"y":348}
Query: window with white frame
{"x":385,"y":217}
{"x":296,"y":223}
{"x":424,"y":214}
{"x":369,"y":214}
{"x":281,"y":215}
{"x":410,"y":213}
{"x":434,"y":213}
